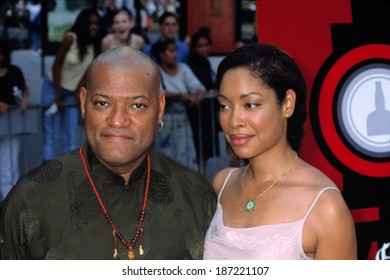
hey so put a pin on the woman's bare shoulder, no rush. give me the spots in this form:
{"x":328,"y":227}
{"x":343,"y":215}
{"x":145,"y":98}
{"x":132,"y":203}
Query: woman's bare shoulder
{"x":314,"y":177}
{"x":220,"y":178}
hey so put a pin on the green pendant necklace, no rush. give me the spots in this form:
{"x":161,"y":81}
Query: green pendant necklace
{"x":250,"y":204}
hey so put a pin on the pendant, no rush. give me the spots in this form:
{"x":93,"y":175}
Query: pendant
{"x":131,"y":255}
{"x":115,"y":255}
{"x":250,"y":205}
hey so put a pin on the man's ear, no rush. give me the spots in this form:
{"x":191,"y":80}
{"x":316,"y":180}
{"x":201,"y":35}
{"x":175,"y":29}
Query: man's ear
{"x":83,"y":96}
{"x":161,"y":100}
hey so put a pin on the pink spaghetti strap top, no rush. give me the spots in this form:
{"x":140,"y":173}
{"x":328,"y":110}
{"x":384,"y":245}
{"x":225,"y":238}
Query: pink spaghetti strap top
{"x":267,"y":242}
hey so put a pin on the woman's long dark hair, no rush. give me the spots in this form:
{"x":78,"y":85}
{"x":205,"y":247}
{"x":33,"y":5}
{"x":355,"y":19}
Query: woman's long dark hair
{"x":80,"y":27}
{"x":201,"y":66}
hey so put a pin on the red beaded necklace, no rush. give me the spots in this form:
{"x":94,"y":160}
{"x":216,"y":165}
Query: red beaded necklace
{"x":115,"y":232}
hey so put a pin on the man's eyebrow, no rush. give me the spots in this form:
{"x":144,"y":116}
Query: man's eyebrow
{"x":127,"y":98}
{"x":100,"y":95}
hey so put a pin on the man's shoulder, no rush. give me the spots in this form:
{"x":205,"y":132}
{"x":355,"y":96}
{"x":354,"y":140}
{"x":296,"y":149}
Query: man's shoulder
{"x":45,"y":180}
{"x":181,"y":44}
{"x":175,"y":171}
{"x":50,"y":171}
{"x":148,"y":47}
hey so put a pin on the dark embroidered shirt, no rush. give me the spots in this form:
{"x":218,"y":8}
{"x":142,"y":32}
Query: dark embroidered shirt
{"x":53,"y":213}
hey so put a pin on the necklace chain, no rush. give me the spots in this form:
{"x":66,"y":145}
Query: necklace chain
{"x":250,"y":205}
{"x":115,"y":232}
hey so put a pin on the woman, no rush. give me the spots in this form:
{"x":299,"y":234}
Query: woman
{"x":77,"y":50}
{"x":182,"y":89}
{"x":13,"y":91}
{"x":203,"y":118}
{"x":278,"y":206}
{"x":122,"y":35}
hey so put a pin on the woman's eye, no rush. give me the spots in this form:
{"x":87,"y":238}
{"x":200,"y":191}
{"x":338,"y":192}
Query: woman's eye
{"x":223,"y":106}
{"x":251,"y":105}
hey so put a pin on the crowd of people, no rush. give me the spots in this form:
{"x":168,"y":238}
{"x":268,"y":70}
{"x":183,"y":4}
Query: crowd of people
{"x":187,"y":78}
{"x":135,"y":182}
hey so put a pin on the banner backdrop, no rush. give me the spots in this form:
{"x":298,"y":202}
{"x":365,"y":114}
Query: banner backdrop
{"x":343,"y":49}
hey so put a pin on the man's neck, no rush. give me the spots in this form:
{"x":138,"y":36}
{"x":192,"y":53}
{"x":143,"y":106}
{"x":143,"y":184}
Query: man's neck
{"x":163,"y":38}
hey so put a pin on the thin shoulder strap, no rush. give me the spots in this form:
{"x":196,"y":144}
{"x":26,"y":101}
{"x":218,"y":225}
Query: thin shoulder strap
{"x":317,"y":198}
{"x":226,"y":180}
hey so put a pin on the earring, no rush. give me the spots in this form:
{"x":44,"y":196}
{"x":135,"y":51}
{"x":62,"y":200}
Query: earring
{"x":286,"y":115}
{"x":160,"y":126}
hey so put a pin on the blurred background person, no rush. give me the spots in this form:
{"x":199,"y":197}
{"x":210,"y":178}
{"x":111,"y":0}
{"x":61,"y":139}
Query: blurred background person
{"x":142,"y":20}
{"x":60,"y":87}
{"x":182,"y":89}
{"x":34,"y":12}
{"x":122,"y":34}
{"x":13,"y":91}
{"x":168,"y":26}
{"x":204,"y":117}
{"x":107,"y":9}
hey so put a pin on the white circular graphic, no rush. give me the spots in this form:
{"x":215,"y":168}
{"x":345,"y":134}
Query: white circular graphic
{"x":364,"y":110}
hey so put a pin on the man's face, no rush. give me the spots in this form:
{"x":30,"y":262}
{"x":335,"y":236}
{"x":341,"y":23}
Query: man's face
{"x":168,"y":28}
{"x":121,"y":108}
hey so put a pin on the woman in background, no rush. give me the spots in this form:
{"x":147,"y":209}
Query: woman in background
{"x":204,"y":118}
{"x":60,"y":87}
{"x":182,"y":89}
{"x":121,"y":32}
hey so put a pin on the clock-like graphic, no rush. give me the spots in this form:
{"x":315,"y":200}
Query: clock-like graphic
{"x":363,"y":110}
{"x":353,"y":108}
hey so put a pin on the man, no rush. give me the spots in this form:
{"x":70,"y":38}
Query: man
{"x":112,"y":198}
{"x":168,"y":26}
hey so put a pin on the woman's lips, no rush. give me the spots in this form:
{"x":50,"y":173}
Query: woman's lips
{"x":239,"y":139}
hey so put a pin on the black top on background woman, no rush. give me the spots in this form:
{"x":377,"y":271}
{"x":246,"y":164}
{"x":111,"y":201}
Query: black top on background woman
{"x":207,"y":111}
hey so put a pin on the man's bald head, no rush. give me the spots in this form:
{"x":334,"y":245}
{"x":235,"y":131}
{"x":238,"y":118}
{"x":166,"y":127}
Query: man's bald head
{"x":125,"y":58}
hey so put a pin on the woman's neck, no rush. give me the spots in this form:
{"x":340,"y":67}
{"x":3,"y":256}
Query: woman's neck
{"x":123,"y":41}
{"x":170,"y":68}
{"x":269,"y":165}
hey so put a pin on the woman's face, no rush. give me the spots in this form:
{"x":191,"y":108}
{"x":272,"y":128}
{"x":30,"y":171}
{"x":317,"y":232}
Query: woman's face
{"x":122,"y":25}
{"x":250,"y":117}
{"x":169,"y":56}
{"x":93,"y":26}
{"x":203,"y":47}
